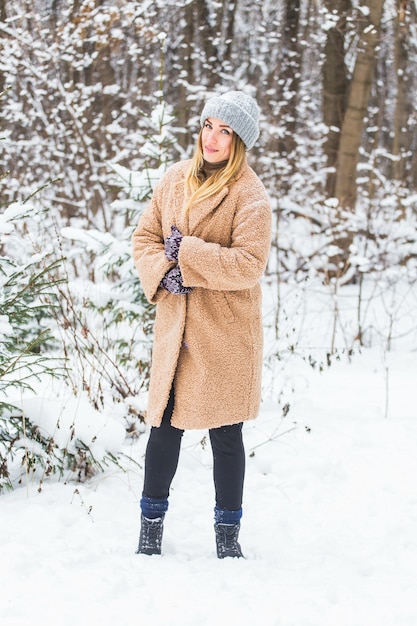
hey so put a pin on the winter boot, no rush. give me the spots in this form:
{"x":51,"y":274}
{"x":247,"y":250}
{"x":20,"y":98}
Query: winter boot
{"x":150,"y":538}
{"x":227,"y":540}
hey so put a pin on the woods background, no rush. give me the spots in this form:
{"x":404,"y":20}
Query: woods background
{"x":335,"y":80}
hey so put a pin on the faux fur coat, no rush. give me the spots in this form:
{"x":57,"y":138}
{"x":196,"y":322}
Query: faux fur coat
{"x":208,"y":342}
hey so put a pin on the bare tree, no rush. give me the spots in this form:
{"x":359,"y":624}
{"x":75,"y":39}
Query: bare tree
{"x":335,"y":84}
{"x":3,"y":14}
{"x":353,"y":122}
{"x":401,"y":138}
{"x":290,"y":76}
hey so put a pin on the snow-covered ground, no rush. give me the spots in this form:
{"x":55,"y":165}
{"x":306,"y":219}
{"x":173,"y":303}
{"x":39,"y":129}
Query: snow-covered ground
{"x":329,"y":527}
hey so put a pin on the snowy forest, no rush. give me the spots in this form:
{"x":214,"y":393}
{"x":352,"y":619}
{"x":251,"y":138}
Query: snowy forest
{"x":99,"y":97}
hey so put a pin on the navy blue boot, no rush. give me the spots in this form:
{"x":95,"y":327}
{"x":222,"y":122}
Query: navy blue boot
{"x":151,"y":524}
{"x":227,"y":540}
{"x":227,"y":527}
{"x":150,"y":538}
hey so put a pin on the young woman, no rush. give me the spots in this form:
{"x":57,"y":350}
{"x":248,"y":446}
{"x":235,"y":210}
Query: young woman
{"x":200,"y":249}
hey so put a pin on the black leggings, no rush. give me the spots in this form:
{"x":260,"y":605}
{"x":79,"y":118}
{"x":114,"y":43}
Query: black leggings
{"x":162,"y":454}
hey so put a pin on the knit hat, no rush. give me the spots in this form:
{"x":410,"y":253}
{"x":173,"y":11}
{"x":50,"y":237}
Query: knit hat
{"x":237,"y":110}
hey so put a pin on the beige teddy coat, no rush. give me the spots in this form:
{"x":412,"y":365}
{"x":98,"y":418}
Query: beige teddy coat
{"x":208,"y":342}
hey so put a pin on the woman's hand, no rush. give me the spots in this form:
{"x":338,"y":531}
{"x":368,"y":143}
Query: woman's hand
{"x":172,"y":244}
{"x":172,"y":282}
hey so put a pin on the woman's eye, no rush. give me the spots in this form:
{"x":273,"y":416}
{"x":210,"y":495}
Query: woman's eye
{"x":225,"y":131}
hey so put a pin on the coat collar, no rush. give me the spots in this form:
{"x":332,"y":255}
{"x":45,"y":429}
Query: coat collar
{"x":202,"y":209}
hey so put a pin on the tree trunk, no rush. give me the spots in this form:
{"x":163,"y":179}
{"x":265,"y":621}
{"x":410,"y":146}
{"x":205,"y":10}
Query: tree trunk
{"x":335,"y":86}
{"x":228,"y":19}
{"x":2,"y":19}
{"x":352,"y":127}
{"x":401,"y":141}
{"x":185,"y":61}
{"x":290,"y":76}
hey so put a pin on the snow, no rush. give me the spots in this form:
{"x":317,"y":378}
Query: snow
{"x":5,"y":327}
{"x":10,"y":213}
{"x":62,"y":417}
{"x":329,"y":525}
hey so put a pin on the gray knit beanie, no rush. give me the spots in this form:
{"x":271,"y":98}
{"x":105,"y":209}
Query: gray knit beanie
{"x":237,"y":110}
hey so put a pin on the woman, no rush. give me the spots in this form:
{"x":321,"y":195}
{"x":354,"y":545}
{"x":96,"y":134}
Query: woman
{"x":200,"y":249}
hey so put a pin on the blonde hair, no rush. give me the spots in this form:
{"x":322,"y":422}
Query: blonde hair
{"x":198,"y":189}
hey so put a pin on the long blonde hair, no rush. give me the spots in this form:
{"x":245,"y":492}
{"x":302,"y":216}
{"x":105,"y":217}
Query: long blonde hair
{"x":198,"y":189}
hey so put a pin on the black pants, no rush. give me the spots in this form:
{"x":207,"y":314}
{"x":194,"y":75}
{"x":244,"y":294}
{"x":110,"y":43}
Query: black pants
{"x":162,"y":454}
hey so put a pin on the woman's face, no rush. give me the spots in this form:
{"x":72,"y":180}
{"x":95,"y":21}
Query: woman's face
{"x":216,"y":140}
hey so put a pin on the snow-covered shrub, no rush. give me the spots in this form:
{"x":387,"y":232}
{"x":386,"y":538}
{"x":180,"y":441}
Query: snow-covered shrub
{"x":27,"y":299}
{"x":62,"y":437}
{"x":48,"y":426}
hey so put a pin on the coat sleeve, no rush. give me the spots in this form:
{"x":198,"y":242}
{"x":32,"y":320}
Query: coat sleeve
{"x":148,"y":250}
{"x":239,"y":266}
